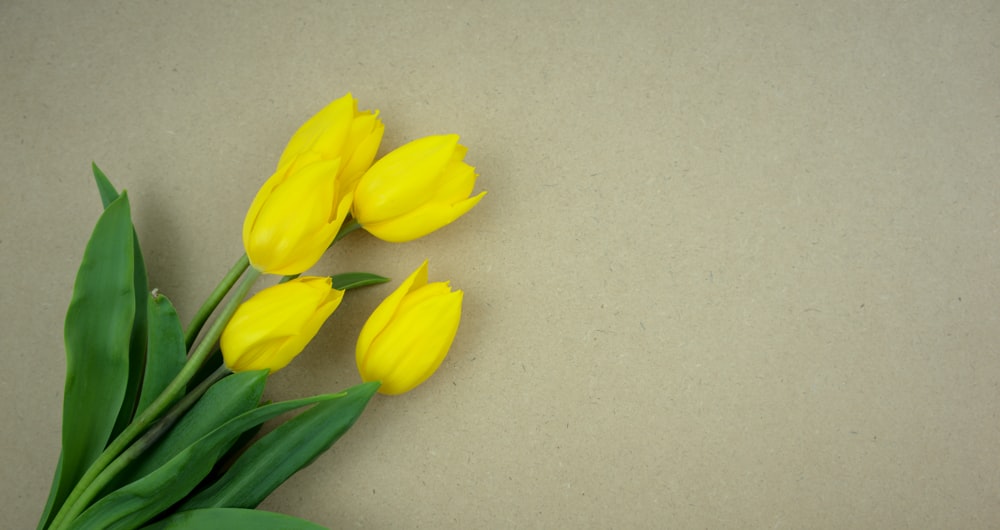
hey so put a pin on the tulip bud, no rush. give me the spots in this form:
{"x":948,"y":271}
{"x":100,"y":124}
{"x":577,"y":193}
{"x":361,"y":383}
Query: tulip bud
{"x":339,"y":131}
{"x":298,"y":211}
{"x":415,"y":189}
{"x":409,"y":334}
{"x":274,"y":326}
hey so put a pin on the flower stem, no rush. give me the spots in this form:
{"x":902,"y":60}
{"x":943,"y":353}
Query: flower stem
{"x":213,"y":300}
{"x":85,"y":489}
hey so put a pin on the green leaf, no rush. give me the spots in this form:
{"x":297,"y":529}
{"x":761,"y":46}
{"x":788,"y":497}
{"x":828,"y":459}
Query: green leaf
{"x":104,"y":186}
{"x":97,"y":334}
{"x":353,"y":280}
{"x":226,"y":399}
{"x":165,"y":349}
{"x":140,"y":501}
{"x":53,"y":490}
{"x":226,"y":461}
{"x":233,"y":395}
{"x":284,"y":451}
{"x":217,"y":518}
{"x":108,"y":195}
{"x":137,"y":344}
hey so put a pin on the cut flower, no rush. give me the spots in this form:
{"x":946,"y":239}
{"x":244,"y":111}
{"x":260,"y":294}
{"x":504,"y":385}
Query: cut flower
{"x":275,"y":325}
{"x":408,"y":335}
{"x":416,"y":189}
{"x":299,"y":210}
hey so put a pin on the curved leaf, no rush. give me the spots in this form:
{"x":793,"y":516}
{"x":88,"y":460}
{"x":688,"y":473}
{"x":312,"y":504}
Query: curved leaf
{"x":137,"y":345}
{"x":53,"y":491}
{"x":140,"y":501}
{"x":97,"y":334}
{"x":217,"y":518}
{"x":165,"y":349}
{"x":285,"y":450}
{"x":233,"y":395}
{"x":353,"y":280}
{"x":104,"y":186}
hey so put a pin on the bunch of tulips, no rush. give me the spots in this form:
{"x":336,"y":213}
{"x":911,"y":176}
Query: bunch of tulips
{"x":160,"y":421}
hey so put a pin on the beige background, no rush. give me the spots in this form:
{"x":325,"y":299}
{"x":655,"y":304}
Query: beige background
{"x":737,"y":267}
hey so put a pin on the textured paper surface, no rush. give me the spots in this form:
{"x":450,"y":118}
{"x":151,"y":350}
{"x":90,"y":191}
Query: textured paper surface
{"x":737,"y":267}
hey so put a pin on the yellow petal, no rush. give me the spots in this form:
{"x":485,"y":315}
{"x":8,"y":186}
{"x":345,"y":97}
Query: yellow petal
{"x":296,"y":222}
{"x":387,"y":309}
{"x":324,"y":132}
{"x":258,"y":203}
{"x":253,"y":354}
{"x":274,"y":326}
{"x":417,"y":296}
{"x":363,"y":145}
{"x":408,"y":351}
{"x":456,"y":183}
{"x":421,"y":221}
{"x":404,"y":179}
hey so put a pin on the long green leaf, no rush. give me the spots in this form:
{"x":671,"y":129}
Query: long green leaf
{"x":140,"y":501}
{"x":97,"y":334}
{"x":353,"y":280}
{"x":232,"y":396}
{"x":225,"y":400}
{"x":165,"y":350}
{"x":53,"y":491}
{"x":108,"y":194}
{"x":137,"y":343}
{"x":220,"y":518}
{"x":104,"y":185}
{"x":284,"y":451}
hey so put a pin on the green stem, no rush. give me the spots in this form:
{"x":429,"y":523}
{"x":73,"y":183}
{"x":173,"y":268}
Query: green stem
{"x":213,"y":300}
{"x":75,"y":502}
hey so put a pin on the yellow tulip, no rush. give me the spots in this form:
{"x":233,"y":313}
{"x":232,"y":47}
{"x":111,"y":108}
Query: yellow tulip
{"x":299,"y":210}
{"x":274,"y":326}
{"x":339,"y":131}
{"x":416,"y":189}
{"x":409,"y":334}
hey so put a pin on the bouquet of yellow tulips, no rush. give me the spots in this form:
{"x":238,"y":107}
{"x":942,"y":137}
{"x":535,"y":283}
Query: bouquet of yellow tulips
{"x":159,"y":421}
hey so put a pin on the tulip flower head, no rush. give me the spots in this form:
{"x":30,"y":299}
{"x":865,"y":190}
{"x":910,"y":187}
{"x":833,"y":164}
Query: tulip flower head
{"x":299,"y":210}
{"x":275,"y":325}
{"x":339,"y":131}
{"x":416,"y":189}
{"x":409,"y":334}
